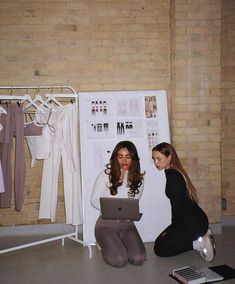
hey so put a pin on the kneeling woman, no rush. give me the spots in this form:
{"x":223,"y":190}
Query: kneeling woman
{"x":119,"y":240}
{"x":189,"y":228}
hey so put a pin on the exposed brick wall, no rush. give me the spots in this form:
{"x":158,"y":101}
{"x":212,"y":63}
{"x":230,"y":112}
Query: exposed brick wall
{"x":124,"y":45}
{"x":228,"y":105}
{"x":91,"y":45}
{"x":195,"y":96}
{"x":88,"y":44}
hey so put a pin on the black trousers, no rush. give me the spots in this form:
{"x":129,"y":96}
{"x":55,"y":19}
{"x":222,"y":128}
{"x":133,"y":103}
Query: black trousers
{"x":178,"y":237}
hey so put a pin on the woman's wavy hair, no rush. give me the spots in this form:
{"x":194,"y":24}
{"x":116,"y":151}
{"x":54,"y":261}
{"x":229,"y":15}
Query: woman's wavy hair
{"x":167,"y":150}
{"x":135,"y":177}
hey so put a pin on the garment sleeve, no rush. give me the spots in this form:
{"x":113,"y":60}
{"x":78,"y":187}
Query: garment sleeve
{"x":99,"y":186}
{"x":176,"y":189}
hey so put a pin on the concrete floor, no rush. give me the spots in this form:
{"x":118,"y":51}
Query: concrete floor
{"x":69,"y":264}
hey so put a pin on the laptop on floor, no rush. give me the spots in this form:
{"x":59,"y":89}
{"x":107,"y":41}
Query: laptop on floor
{"x":120,"y":208}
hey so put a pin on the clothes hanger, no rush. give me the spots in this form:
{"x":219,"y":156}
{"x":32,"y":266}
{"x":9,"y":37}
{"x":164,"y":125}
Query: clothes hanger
{"x":38,"y":98}
{"x":52,"y":98}
{"x":32,"y":103}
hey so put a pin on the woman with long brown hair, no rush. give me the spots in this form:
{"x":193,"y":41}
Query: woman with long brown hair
{"x":119,"y":240}
{"x":189,"y":228}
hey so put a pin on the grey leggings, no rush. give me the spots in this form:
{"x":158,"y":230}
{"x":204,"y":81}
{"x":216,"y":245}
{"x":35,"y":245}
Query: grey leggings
{"x":120,"y":242}
{"x":13,"y":126}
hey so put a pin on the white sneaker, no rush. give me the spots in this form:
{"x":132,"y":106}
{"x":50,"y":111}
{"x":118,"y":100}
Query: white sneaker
{"x":209,"y":250}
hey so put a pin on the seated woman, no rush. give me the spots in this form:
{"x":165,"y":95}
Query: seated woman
{"x":189,"y":227}
{"x":119,"y":240}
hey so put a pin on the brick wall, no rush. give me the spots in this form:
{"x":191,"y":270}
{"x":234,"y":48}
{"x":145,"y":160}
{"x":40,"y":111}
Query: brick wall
{"x":123,"y":45}
{"x":228,"y":106}
{"x":90,"y":45}
{"x":195,"y":99}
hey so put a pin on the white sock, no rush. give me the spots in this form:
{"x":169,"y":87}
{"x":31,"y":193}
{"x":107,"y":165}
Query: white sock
{"x":198,"y":244}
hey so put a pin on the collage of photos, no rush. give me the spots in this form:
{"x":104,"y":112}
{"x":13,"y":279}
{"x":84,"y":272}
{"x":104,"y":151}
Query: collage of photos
{"x":124,"y":118}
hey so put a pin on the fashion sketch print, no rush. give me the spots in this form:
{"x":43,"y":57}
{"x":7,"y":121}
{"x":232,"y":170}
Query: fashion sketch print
{"x":150,"y":106}
{"x":151,"y":121}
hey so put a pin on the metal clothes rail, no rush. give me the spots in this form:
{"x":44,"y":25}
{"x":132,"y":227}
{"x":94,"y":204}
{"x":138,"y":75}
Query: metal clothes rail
{"x":38,"y":88}
{"x":72,"y":93}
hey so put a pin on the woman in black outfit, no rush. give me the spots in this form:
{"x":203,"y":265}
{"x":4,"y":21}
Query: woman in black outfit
{"x":189,"y":223}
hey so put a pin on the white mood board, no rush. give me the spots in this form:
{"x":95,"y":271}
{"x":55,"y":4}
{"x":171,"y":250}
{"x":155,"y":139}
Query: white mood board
{"x":109,"y":117}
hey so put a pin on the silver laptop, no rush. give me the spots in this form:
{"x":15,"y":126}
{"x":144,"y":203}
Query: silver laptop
{"x":120,"y":208}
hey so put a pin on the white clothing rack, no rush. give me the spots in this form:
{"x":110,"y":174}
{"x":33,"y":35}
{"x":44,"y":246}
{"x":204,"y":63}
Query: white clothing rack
{"x":74,"y":235}
{"x":38,"y":88}
{"x":9,"y":97}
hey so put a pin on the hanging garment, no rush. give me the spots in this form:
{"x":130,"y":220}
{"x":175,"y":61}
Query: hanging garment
{"x":13,"y":126}
{"x":40,"y":146}
{"x":2,"y":111}
{"x":38,"y":135}
{"x":32,"y":129}
{"x":64,"y":145}
{"x":2,"y":187}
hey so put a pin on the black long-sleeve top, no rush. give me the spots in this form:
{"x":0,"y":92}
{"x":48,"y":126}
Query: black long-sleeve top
{"x":176,"y":191}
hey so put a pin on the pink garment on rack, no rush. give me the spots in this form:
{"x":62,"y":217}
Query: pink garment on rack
{"x":13,"y":129}
{"x":2,"y":187}
{"x":32,"y":129}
